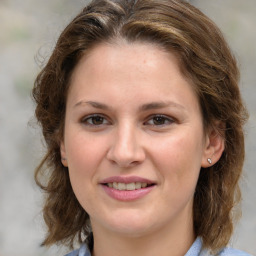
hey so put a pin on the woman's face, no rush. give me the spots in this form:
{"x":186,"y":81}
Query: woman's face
{"x":134,"y":141}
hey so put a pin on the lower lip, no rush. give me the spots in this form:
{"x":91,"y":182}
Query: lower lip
{"x":127,"y":195}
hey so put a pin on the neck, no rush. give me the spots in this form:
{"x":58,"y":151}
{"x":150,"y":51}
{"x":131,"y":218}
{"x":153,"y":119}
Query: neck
{"x":161,"y":242}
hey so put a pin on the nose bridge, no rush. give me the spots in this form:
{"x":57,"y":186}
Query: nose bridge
{"x":126,"y":149}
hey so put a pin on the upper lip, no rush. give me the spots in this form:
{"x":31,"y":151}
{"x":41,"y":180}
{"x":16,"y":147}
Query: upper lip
{"x":126,"y":180}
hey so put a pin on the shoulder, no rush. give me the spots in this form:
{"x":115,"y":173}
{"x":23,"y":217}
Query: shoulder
{"x":198,"y":250}
{"x":82,"y":251}
{"x":233,"y":252}
{"x":73,"y":253}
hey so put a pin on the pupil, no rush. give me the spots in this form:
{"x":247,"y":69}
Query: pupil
{"x":97,"y":120}
{"x":158,"y":120}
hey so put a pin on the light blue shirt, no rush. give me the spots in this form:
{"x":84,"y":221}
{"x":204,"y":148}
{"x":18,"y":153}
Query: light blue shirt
{"x":195,"y":250}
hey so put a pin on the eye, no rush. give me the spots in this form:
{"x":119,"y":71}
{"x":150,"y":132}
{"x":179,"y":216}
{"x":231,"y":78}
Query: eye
{"x":95,"y":120}
{"x":159,"y":120}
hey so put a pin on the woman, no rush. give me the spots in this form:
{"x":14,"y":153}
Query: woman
{"x":143,"y":120}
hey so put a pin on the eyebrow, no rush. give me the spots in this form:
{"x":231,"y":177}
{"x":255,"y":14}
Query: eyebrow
{"x":93,"y":104}
{"x":159,"y":105}
{"x":144,"y":107}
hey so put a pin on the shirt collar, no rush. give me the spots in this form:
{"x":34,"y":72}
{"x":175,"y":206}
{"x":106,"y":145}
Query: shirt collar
{"x":197,"y":249}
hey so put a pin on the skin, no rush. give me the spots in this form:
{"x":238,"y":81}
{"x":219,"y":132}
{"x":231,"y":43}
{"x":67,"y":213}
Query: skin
{"x":113,"y":82}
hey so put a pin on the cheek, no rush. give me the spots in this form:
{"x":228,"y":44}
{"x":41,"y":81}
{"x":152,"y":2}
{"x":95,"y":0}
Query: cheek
{"x":84,"y":155}
{"x":83,"y":152}
{"x":178,"y":163}
{"x":179,"y":157}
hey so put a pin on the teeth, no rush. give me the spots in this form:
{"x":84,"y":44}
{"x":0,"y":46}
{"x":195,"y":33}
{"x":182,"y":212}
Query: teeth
{"x":121,"y":186}
{"x":115,"y":186}
{"x":129,"y":186}
{"x":143,"y":184}
{"x":137,"y":185}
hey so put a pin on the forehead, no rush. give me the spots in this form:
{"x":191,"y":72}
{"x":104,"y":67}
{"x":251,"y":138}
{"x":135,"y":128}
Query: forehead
{"x":129,"y":69}
{"x":123,"y":56}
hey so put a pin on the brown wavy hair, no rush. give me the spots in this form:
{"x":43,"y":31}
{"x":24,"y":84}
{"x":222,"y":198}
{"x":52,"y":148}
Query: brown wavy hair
{"x":205,"y":59}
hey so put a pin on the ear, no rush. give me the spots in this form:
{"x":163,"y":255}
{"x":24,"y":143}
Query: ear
{"x":214,"y":145}
{"x":63,"y":154}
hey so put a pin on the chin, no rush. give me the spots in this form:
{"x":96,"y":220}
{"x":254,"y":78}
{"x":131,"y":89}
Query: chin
{"x":131,"y":226}
{"x":132,"y":231}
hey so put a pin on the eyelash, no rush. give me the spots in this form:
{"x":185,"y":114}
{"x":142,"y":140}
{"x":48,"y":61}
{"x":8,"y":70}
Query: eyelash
{"x":89,"y":120}
{"x":86,"y":119}
{"x":164,"y":118}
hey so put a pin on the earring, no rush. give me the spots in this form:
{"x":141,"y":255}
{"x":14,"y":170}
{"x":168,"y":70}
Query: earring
{"x":63,"y":158}
{"x":209,"y":160}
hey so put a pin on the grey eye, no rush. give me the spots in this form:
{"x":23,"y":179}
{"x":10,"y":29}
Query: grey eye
{"x":95,"y":120}
{"x":158,"y":120}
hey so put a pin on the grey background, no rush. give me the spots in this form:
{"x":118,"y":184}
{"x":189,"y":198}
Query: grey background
{"x":28,"y":31}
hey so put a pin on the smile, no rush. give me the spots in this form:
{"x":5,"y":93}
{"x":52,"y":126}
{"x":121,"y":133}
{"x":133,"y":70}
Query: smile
{"x":129,"y":186}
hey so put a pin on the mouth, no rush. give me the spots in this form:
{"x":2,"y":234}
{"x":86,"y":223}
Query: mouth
{"x":128,"y":186}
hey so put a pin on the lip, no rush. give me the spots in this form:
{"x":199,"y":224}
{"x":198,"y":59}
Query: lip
{"x":127,"y":195}
{"x":126,"y":179}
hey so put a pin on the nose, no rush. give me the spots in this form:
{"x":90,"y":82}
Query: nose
{"x":126,"y":148}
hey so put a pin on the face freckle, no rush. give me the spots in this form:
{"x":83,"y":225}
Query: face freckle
{"x":126,"y":86}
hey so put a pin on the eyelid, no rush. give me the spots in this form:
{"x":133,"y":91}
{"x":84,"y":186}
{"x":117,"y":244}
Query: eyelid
{"x":168,"y":118}
{"x":87,"y":117}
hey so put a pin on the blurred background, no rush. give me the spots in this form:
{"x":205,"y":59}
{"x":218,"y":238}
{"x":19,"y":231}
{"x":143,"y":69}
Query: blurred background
{"x":28,"y":32}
